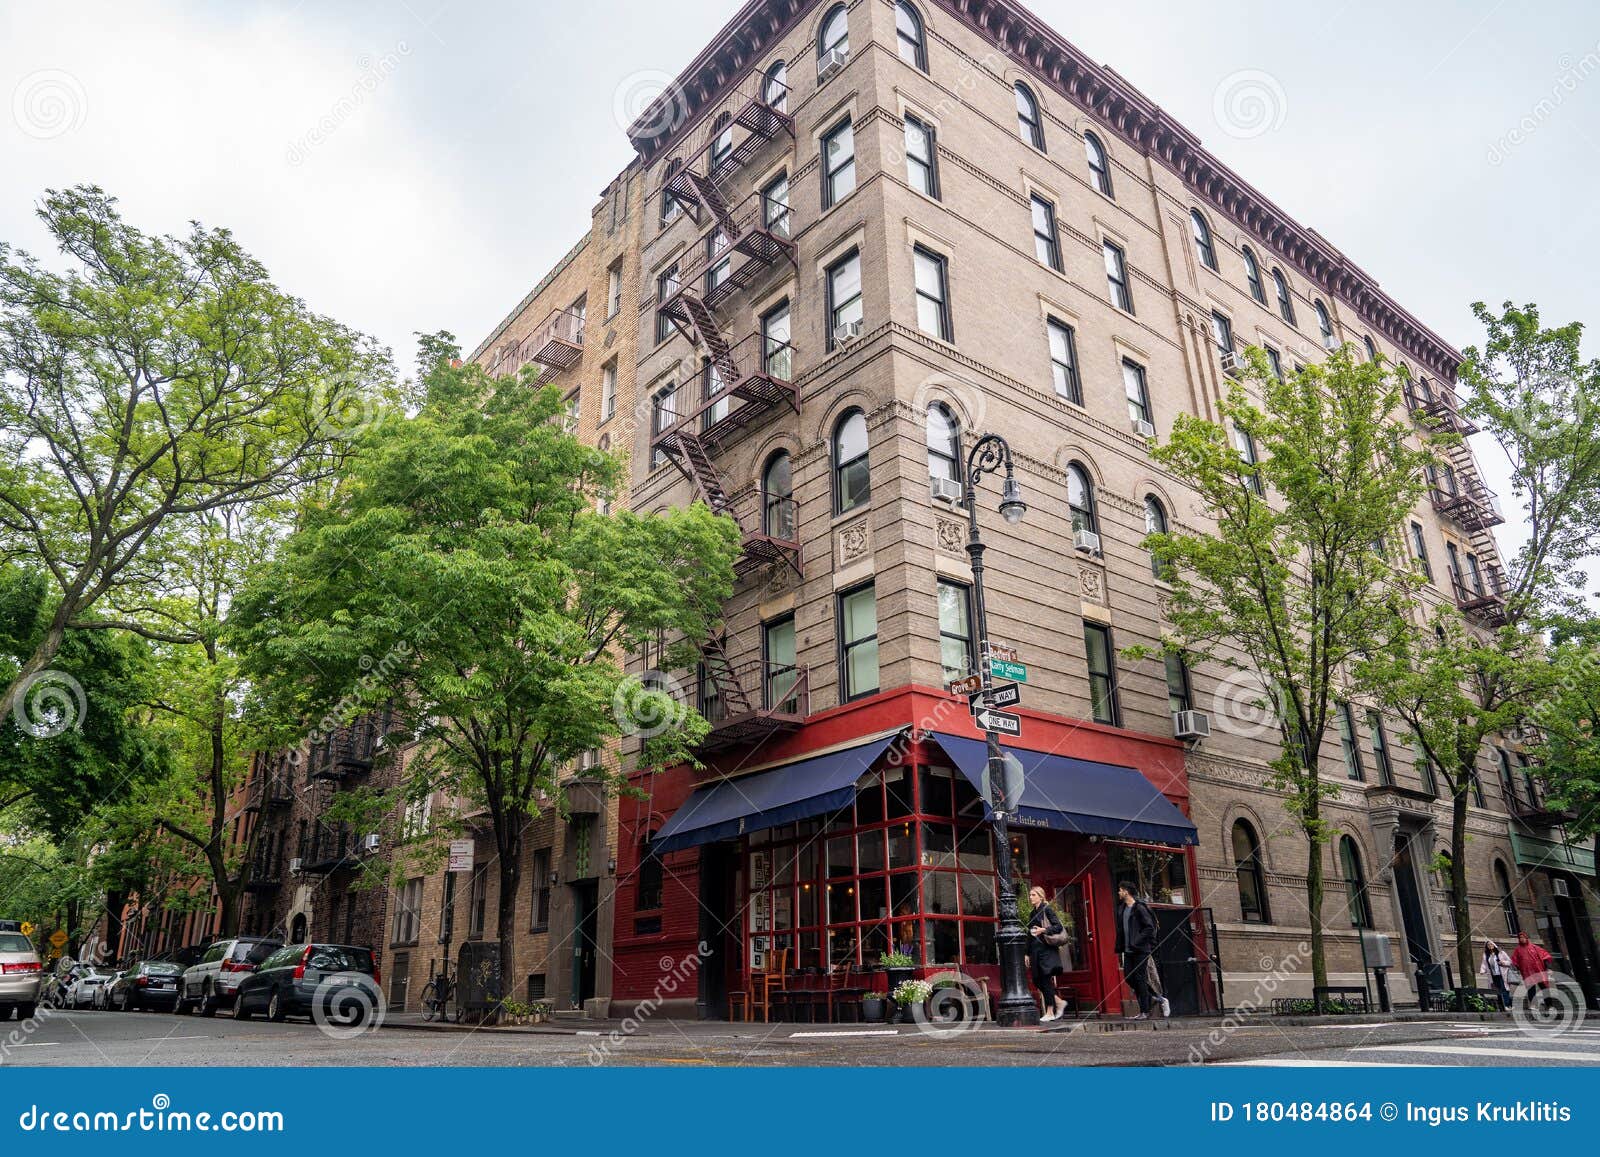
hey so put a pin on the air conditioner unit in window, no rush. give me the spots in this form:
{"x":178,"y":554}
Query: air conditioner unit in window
{"x":1191,"y":725}
{"x":946,"y":490}
{"x":1086,"y":541}
{"x":830,"y":65}
{"x":294,"y":866}
{"x":1232,"y":363}
{"x":1143,"y":428}
{"x":1560,"y":887}
{"x":371,"y":843}
{"x":846,"y":333}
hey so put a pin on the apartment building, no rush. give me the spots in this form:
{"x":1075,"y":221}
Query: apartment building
{"x":859,"y":236}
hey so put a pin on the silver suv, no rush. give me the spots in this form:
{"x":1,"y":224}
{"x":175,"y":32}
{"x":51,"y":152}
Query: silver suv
{"x":214,"y":982}
{"x":21,"y":975}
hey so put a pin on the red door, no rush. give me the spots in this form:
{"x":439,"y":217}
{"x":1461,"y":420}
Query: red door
{"x":1075,"y":900}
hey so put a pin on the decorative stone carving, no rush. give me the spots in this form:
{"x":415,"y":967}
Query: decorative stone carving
{"x":951,"y":535}
{"x":1092,"y":583}
{"x":1164,"y":606}
{"x":780,"y":579}
{"x":855,"y":542}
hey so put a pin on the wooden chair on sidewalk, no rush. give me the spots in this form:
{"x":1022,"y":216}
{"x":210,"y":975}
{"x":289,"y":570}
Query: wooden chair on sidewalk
{"x":765,"y":983}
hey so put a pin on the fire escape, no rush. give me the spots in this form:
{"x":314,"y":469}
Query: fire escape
{"x":1460,"y":496}
{"x":555,"y":346}
{"x":743,"y":379}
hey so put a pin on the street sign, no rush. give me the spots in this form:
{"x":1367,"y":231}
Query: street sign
{"x":1001,"y":721}
{"x":1001,"y":695}
{"x":58,"y":937}
{"x":27,"y":928}
{"x":966,"y":686}
{"x":1008,"y":669}
{"x":462,"y":855}
{"x":1000,"y":651}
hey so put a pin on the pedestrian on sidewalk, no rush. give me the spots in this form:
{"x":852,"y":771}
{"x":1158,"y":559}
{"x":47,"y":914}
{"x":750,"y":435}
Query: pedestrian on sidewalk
{"x":1049,"y":934}
{"x":1495,"y":964}
{"x":1136,"y":946}
{"x":1533,"y":962}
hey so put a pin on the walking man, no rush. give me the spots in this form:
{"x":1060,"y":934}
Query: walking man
{"x":1136,"y":945}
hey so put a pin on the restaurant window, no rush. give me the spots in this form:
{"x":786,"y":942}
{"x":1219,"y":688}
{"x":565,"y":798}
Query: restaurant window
{"x":408,"y":912}
{"x":1355,"y":884}
{"x":1348,"y":744}
{"x":1099,"y":165}
{"x":1080,"y":499}
{"x":956,"y":656}
{"x":908,"y":36}
{"x":922,"y":168}
{"x":1029,"y":127}
{"x":1064,"y":362}
{"x":1117,"y":277}
{"x":779,"y":692}
{"x":1046,"y":245}
{"x":1248,"y":871}
{"x":1155,"y":522}
{"x":1159,"y":875}
{"x":1252,"y":275}
{"x":852,"y":478}
{"x":1101,"y":657}
{"x":932,"y":293}
{"x":838,"y":163}
{"x":944,"y":443}
{"x":1202,"y":240}
{"x":858,"y":642}
{"x":539,"y":877}
{"x":777,"y":498}
{"x":844,"y":296}
{"x":1285,"y":298}
{"x":1508,"y":899}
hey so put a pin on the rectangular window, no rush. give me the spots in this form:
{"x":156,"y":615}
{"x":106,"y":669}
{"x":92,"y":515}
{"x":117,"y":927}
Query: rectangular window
{"x":858,"y":642}
{"x":844,"y":295}
{"x":478,"y":900}
{"x":1425,"y":770}
{"x":933,"y":305}
{"x":1133,"y":385}
{"x":1508,"y":781}
{"x":1222,"y":333}
{"x":955,"y":631}
{"x":408,"y":912}
{"x":540,"y":875}
{"x":1046,"y":245}
{"x":614,"y":291}
{"x":1117,"y":278}
{"x":1419,"y":547}
{"x":778,"y":646}
{"x":1275,"y":360}
{"x":777,"y":355}
{"x":775,"y":205}
{"x":1245,"y":443}
{"x":663,"y":415}
{"x":1180,"y":693}
{"x":922,"y":166}
{"x":838,"y":164}
{"x":608,"y":391}
{"x":1380,"y":748}
{"x":666,"y":286}
{"x":1347,"y":742}
{"x":1064,"y":361}
{"x":1102,"y":673}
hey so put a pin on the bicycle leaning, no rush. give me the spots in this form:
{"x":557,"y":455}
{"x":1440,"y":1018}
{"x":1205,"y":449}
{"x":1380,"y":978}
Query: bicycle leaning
{"x":436,"y":997}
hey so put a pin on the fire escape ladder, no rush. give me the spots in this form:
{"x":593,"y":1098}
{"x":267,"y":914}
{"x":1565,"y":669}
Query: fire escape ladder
{"x":719,"y":666}
{"x":706,"y":191}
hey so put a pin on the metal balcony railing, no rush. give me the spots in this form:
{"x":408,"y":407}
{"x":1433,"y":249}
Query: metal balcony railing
{"x":266,"y":871}
{"x":1468,"y":503}
{"x":740,"y":383}
{"x":325,"y":848}
{"x":1481,"y":595}
{"x":749,"y":701}
{"x":271,"y":789}
{"x":556,"y":345}
{"x":745,"y":242}
{"x":756,"y":112}
{"x":1436,"y":407}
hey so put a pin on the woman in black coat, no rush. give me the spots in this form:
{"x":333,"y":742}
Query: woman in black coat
{"x":1044,"y":926}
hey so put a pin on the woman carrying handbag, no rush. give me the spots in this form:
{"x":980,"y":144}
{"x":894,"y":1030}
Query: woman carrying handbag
{"x":1049,"y":934}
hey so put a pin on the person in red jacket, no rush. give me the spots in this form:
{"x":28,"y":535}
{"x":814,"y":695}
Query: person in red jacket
{"x":1532,"y":961}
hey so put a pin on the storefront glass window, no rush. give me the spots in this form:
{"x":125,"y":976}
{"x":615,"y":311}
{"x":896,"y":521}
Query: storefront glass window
{"x":1161,"y":873}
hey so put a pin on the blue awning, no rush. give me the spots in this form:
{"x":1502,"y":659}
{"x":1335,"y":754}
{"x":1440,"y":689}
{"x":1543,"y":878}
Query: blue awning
{"x":1078,"y":795}
{"x":781,"y":795}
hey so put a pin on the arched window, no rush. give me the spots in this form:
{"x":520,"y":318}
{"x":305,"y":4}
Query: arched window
{"x":1325,"y":325}
{"x":1355,"y":884}
{"x":1285,"y":299}
{"x":1155,"y":522}
{"x":1252,"y":273}
{"x":835,"y":31}
{"x":775,"y":90}
{"x":1029,"y":127}
{"x":648,"y":897}
{"x":1080,"y":499}
{"x":777,"y":498}
{"x":1202,"y":240}
{"x":908,"y":34}
{"x":1099,"y":166}
{"x":1252,"y":880}
{"x":1508,"y":898}
{"x":1372,"y":347}
{"x":944,"y":443}
{"x":852,"y":480}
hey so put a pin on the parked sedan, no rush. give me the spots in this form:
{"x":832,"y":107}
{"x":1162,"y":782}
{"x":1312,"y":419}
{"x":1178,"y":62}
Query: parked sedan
{"x":341,"y":978}
{"x":81,"y":992}
{"x":145,"y":985}
{"x":21,"y":976}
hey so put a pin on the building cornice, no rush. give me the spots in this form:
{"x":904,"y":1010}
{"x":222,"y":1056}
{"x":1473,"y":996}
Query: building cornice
{"x":1103,"y":94}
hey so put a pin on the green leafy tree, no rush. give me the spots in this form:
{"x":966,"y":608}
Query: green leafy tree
{"x":154,"y":377}
{"x":1457,"y":682}
{"x":1567,"y":723}
{"x":464,"y":562}
{"x":1305,"y":486}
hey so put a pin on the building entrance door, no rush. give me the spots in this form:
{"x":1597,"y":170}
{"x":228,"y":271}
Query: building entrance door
{"x":1412,"y":915}
{"x":1578,"y":938}
{"x":719,"y":927}
{"x":585,"y":939}
{"x":1075,"y":901}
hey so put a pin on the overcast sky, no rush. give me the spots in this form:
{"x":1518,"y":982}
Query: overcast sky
{"x":419,"y":165}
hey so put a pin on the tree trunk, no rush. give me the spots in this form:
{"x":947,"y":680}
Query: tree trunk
{"x":1314,"y":888}
{"x":1466,"y":964}
{"x":508,"y":843}
{"x":115,"y":902}
{"x":228,"y":897}
{"x":55,"y":634}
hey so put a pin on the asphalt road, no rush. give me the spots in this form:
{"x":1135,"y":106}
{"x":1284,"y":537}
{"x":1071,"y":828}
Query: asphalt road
{"x":160,"y":1039}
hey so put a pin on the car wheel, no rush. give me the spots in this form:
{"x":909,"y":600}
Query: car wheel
{"x":275,"y":1007}
{"x":240,"y":1012}
{"x":26,"y":1011}
{"x":6,"y":1010}
{"x":208,"y":1003}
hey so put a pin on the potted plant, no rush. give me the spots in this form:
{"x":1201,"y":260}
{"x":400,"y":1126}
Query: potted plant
{"x":899,"y":967}
{"x":908,"y":994}
{"x":516,"y":1012}
{"x":873,"y":1008}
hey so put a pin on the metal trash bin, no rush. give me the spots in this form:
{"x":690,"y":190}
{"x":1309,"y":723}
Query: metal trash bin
{"x":478,"y":983}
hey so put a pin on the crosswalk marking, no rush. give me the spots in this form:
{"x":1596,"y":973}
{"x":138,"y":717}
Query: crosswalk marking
{"x":1484,"y":1051}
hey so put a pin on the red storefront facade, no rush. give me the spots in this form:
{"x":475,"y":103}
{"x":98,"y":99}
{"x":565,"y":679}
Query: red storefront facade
{"x":908,"y":866}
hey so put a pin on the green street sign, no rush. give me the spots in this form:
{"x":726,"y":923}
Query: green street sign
{"x":1006,"y":669}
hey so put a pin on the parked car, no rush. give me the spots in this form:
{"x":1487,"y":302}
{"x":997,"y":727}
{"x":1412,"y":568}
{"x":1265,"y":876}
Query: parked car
{"x":291,"y":980}
{"x":102,"y":995}
{"x":21,"y":976}
{"x":148,"y":984}
{"x":185,"y":957}
{"x":212,"y":983}
{"x":81,"y":992}
{"x":62,"y":977}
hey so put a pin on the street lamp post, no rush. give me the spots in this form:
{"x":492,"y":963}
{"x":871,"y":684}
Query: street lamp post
{"x":1016,"y":1007}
